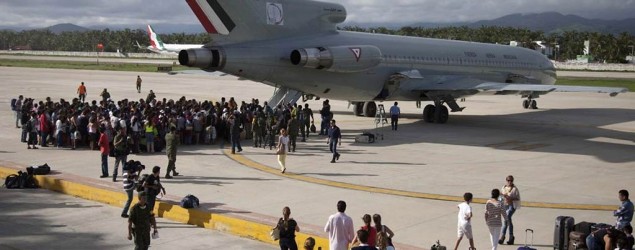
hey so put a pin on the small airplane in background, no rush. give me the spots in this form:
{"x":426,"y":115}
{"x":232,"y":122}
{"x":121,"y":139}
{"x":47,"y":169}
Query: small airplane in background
{"x":157,"y":46}
{"x":295,"y":46}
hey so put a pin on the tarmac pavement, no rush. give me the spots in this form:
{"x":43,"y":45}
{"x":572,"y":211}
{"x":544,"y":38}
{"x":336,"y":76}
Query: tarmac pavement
{"x":42,"y":219}
{"x":577,"y":148}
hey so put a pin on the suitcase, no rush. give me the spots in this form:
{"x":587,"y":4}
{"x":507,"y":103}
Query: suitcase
{"x":365,"y":138}
{"x":42,"y":169}
{"x":577,"y":240}
{"x":526,"y":246}
{"x":564,"y":225}
{"x":584,"y":227}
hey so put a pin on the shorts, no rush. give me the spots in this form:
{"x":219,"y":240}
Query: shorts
{"x":466,"y":230}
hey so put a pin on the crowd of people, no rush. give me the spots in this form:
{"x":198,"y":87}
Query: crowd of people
{"x":118,"y":128}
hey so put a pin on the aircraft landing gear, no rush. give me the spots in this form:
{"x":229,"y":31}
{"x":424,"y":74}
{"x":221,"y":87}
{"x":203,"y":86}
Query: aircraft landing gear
{"x":530,"y":104}
{"x":436,"y":113}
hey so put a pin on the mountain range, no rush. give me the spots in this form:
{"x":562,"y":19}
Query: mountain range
{"x":548,"y":22}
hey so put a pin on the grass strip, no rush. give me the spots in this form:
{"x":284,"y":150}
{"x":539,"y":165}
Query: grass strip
{"x":135,"y":67}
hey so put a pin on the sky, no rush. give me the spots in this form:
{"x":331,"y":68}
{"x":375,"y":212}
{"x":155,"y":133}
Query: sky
{"x":44,"y":13}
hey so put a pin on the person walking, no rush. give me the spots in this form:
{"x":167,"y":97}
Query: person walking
{"x":395,"y":112}
{"x":288,"y":227}
{"x":104,"y":97}
{"x":372,"y":232}
{"x":130,"y":177}
{"x":334,"y":137}
{"x":625,"y":213}
{"x":139,"y":223}
{"x":139,"y":84}
{"x":18,"y":111}
{"x":493,"y":213}
{"x":104,"y":148}
{"x":308,"y":120}
{"x":340,"y":228}
{"x":153,"y":187}
{"x":293,"y":128}
{"x":464,"y":227}
{"x":171,"y":143}
{"x":383,"y":229}
{"x":511,"y":202}
{"x":121,"y":151}
{"x":283,"y":148}
{"x":81,"y":92}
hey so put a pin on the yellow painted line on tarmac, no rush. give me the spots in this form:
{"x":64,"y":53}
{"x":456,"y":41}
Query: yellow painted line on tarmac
{"x":236,"y":226}
{"x":275,"y":171}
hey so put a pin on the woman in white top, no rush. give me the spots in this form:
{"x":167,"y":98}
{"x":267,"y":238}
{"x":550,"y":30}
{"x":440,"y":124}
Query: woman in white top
{"x":283,"y":148}
{"x":493,"y":213}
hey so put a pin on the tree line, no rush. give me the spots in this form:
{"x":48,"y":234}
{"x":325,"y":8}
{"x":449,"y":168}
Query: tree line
{"x":604,"y":47}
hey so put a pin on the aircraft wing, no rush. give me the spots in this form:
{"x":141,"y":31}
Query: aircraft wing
{"x":495,"y":86}
{"x":466,"y":84}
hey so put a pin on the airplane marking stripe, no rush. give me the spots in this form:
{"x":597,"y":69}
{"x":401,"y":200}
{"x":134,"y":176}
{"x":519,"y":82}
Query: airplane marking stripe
{"x":202,"y":17}
{"x":220,"y":12}
{"x":150,"y":36}
{"x":213,"y":17}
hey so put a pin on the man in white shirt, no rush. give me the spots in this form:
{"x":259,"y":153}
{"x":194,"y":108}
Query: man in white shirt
{"x":394,"y":116}
{"x":340,"y":228}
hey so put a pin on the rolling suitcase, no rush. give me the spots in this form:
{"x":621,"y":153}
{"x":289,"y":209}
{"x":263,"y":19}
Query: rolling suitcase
{"x":528,"y":247}
{"x":564,"y":225}
{"x":577,"y":240}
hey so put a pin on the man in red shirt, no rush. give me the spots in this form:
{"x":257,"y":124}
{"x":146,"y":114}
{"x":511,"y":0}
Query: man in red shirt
{"x":45,"y":128}
{"x":104,"y":147}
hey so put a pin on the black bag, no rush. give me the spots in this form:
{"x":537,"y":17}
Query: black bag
{"x":13,"y":106}
{"x":564,"y":225}
{"x":12,"y":181}
{"x":312,"y":128}
{"x":142,"y":181}
{"x":41,"y":170}
{"x":189,"y":201}
{"x":20,"y":180}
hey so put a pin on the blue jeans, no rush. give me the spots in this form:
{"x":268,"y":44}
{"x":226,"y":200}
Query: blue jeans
{"x":127,"y":206}
{"x":59,"y":139}
{"x":236,"y":143}
{"x":333,"y":147}
{"x":104,"y":164}
{"x":591,"y":243}
{"x":508,"y":223}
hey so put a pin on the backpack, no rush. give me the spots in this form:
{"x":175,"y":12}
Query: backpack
{"x":20,"y":180}
{"x":188,"y":201}
{"x":142,"y":181}
{"x":13,"y":101}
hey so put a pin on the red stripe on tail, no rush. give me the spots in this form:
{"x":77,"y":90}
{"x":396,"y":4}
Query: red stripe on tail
{"x":207,"y":24}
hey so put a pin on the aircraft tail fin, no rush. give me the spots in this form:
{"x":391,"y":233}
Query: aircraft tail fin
{"x":230,"y":21}
{"x":155,"y":41}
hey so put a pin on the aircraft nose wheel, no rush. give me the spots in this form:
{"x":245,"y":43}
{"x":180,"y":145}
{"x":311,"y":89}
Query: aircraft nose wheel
{"x":530,"y":104}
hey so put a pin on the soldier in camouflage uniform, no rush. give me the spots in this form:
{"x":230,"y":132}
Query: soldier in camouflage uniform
{"x":293,"y":128}
{"x":139,"y":222}
{"x":171,"y":143}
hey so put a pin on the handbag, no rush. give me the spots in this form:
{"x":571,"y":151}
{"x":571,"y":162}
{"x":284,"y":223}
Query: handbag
{"x":275,"y":233}
{"x":313,"y":128}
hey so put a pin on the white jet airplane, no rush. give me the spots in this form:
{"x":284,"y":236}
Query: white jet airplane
{"x":157,"y":46}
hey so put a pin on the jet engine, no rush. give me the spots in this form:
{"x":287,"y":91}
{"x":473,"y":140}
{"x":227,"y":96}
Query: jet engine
{"x":204,"y":58}
{"x":346,"y":59}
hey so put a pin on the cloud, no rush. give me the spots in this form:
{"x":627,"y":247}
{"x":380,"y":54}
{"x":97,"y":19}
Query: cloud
{"x":42,"y":13}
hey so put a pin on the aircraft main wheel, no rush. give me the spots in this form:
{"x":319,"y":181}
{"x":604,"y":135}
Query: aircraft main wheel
{"x":534,"y":104}
{"x":370,"y":109}
{"x":428,"y":113}
{"x":526,"y":104}
{"x":358,"y":108}
{"x":441,"y":114}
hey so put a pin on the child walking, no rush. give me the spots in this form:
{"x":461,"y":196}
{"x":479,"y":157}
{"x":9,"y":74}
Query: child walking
{"x":465,"y":225}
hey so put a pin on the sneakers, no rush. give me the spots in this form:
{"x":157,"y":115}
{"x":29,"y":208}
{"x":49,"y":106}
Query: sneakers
{"x":124,"y":216}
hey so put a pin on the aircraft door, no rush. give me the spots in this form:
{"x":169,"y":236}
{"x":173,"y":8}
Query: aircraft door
{"x":390,"y":87}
